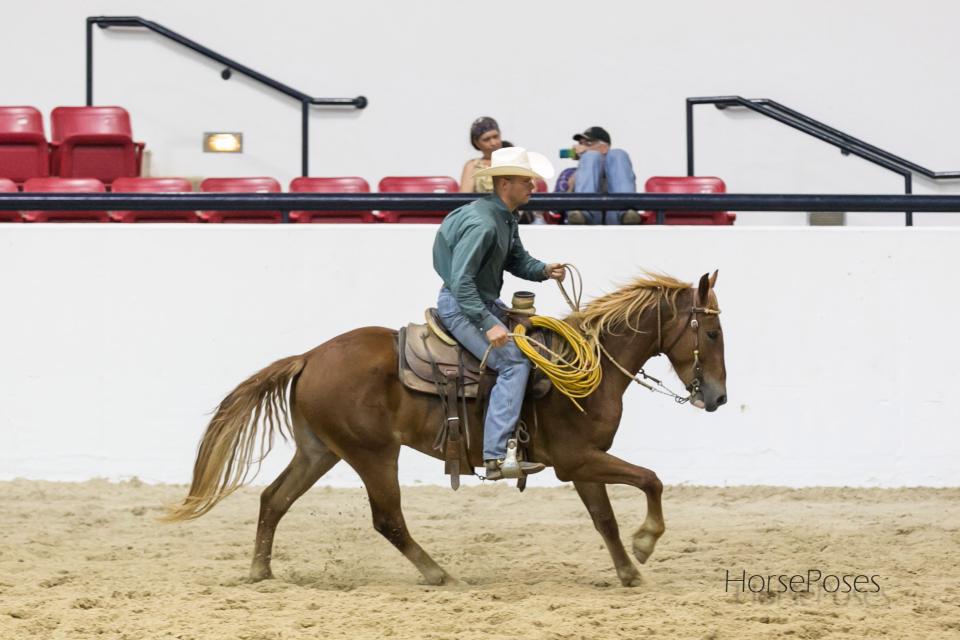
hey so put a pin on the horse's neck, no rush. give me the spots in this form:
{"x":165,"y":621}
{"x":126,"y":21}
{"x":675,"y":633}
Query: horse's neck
{"x":632,"y":349}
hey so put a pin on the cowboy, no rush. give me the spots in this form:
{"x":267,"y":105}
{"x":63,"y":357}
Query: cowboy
{"x":474,"y":246}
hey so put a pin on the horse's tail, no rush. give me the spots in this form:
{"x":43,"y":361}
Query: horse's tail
{"x":232,"y":445}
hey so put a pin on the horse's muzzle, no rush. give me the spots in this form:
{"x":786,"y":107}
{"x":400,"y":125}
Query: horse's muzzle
{"x":713,"y":403}
{"x":708,"y":399}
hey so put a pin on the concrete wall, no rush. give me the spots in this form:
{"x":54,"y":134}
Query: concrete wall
{"x":117,"y":341}
{"x":879,"y":70}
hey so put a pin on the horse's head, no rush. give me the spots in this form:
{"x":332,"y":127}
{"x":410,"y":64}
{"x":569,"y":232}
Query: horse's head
{"x":696,"y":352}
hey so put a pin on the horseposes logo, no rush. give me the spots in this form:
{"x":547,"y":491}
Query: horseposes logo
{"x":812,"y":582}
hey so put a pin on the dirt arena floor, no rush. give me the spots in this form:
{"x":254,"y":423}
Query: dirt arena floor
{"x":88,"y":560}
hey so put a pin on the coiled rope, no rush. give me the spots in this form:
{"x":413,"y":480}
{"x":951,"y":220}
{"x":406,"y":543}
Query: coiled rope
{"x":579,"y":373}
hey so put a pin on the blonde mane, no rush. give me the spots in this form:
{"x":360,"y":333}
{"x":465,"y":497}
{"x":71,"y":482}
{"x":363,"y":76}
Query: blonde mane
{"x":624,"y":306}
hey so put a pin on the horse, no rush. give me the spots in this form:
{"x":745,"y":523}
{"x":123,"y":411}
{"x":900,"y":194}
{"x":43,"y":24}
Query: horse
{"x":343,"y":400}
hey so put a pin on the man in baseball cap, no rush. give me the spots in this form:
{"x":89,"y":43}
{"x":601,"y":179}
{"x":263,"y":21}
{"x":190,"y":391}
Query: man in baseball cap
{"x":602,"y":170}
{"x":593,"y":134}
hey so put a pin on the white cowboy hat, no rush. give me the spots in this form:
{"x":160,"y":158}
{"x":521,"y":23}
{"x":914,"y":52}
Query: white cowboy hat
{"x":517,"y":161}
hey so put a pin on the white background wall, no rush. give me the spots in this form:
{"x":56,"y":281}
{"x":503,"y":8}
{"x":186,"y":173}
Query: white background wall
{"x":880,"y":70}
{"x":116,"y":341}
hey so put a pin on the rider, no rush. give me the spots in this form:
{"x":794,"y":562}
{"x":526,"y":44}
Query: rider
{"x":473,"y":247}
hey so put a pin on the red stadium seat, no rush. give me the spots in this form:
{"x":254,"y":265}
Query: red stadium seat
{"x":24,"y":151}
{"x":64,"y":185}
{"x":685,"y":184}
{"x":94,"y":142}
{"x":416,"y":184}
{"x":9,"y":186}
{"x":153,"y":185}
{"x":241,"y":185}
{"x":330,"y":185}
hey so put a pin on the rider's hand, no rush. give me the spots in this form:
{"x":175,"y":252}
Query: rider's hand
{"x":556,"y":271}
{"x":498,"y":335}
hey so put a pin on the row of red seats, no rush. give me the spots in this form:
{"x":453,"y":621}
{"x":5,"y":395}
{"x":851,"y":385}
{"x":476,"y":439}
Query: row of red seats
{"x":86,"y":142}
{"x":428,"y":184}
{"x":97,"y":142}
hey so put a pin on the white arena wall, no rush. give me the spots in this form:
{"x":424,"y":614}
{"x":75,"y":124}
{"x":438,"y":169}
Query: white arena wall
{"x":116,"y":341}
{"x":879,"y":70}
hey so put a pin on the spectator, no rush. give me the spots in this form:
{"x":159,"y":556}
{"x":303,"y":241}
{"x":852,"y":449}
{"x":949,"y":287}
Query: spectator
{"x":602,"y":170}
{"x":565,"y":180}
{"x":485,"y":138}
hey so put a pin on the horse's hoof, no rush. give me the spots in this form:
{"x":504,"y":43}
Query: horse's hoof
{"x":629,"y":575}
{"x":634,"y":580}
{"x":643,"y":545}
{"x":442,"y":579}
{"x":258,"y":574}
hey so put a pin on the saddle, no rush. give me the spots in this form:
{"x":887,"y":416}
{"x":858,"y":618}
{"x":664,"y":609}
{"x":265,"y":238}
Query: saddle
{"x":427,"y":349}
{"x":432,"y":361}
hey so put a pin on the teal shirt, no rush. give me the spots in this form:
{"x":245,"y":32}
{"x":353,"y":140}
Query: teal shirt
{"x":474,"y":246}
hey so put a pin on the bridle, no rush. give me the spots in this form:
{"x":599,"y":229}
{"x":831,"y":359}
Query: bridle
{"x":693,"y":324}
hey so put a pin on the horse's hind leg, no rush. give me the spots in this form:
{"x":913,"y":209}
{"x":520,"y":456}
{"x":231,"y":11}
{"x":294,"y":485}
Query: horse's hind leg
{"x":378,"y":470}
{"x":595,"y":498}
{"x":311,"y":460}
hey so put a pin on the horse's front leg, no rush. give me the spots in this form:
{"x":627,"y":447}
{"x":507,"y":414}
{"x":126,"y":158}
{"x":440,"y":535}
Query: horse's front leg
{"x":595,"y":498}
{"x":599,"y":466}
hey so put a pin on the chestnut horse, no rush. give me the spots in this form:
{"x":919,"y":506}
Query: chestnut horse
{"x":346,"y":402}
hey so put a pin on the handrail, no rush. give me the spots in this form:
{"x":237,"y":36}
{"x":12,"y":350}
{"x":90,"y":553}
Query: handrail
{"x":914,"y":167}
{"x":658,"y":202}
{"x":847,"y":143}
{"x":306,"y":101}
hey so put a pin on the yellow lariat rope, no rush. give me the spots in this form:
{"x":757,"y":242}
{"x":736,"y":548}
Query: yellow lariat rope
{"x":578,"y":375}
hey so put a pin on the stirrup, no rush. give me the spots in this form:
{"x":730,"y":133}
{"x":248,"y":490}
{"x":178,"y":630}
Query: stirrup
{"x":510,"y":467}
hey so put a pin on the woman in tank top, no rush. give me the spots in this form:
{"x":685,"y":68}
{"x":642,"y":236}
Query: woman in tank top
{"x":485,"y":138}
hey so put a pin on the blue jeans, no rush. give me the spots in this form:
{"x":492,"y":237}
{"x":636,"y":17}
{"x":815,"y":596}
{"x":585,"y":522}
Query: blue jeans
{"x":513,"y":369}
{"x":618,"y":169}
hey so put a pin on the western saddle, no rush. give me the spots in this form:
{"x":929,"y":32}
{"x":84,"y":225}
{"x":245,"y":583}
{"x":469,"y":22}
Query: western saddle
{"x":432,"y":361}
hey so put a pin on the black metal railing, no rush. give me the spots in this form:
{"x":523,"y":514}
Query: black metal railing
{"x":847,"y":143}
{"x":230,"y":66}
{"x":658,"y":202}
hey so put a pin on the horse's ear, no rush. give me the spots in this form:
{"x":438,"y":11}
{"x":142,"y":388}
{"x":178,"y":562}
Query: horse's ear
{"x":703,"y":289}
{"x":713,"y":279}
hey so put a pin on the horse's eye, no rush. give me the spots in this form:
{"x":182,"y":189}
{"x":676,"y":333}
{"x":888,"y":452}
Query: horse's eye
{"x":713,"y":335}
